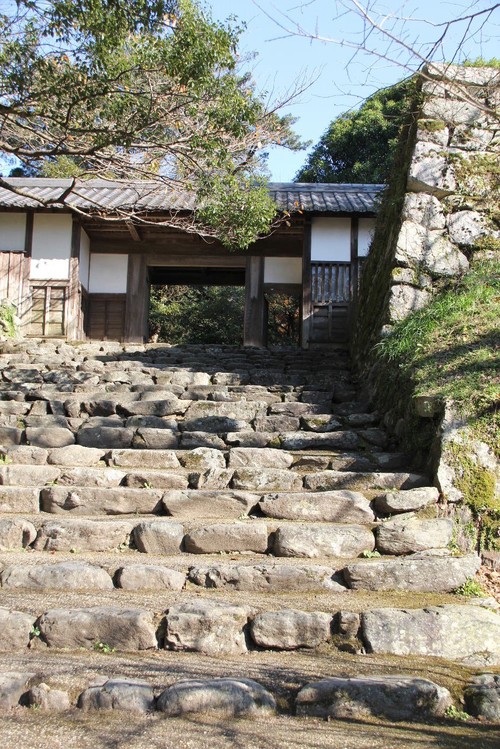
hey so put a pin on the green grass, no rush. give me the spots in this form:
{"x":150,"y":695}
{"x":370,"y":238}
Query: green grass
{"x":450,"y":349}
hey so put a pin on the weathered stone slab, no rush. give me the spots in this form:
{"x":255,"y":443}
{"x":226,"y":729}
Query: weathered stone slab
{"x":102,"y":477}
{"x":149,"y":577}
{"x":75,"y":455}
{"x":212,"y":416}
{"x":200,"y":503}
{"x":327,"y":480}
{"x":409,"y":500}
{"x":203,"y":459}
{"x":93,"y":501}
{"x":320,"y":423}
{"x":118,"y":694}
{"x":393,"y":697}
{"x":270,"y":578}
{"x":333,"y":507}
{"x":276,"y":423}
{"x":432,"y":574}
{"x":27,"y":475}
{"x":15,"y":629}
{"x":253,"y":439}
{"x":16,"y":533}
{"x":160,"y":459}
{"x":59,"y":576}
{"x":482,"y":697}
{"x":468,"y":634}
{"x":289,"y":629}
{"x":314,"y":541}
{"x":405,"y":535}
{"x":49,"y":436}
{"x":294,"y":409}
{"x":215,"y":478}
{"x":19,"y":499}
{"x":210,"y":627}
{"x":83,"y":535}
{"x":121,"y":629}
{"x":250,"y":536}
{"x":10,"y":436}
{"x":266,"y":479}
{"x":226,"y":698}
{"x":105,"y":437}
{"x":325,"y":440}
{"x":27,"y":455}
{"x":193,"y":440}
{"x":158,"y":537}
{"x":155,"y":480}
{"x":424,"y":209}
{"x":247,"y":457}
{"x":13,"y":685}
{"x":42,"y":697}
{"x":168,"y":407}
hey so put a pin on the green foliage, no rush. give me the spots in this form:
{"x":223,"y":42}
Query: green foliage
{"x":448,"y":348}
{"x":8,"y":319}
{"x":140,"y":89}
{"x":103,"y":647}
{"x":454,"y":713}
{"x":197,"y":314}
{"x":471,"y":589}
{"x":359,"y":146}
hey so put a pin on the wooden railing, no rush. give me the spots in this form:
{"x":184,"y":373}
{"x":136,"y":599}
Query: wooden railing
{"x":334,"y":282}
{"x":330,"y":283}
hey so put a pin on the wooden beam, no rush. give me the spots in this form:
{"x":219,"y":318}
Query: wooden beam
{"x":133,"y":231}
{"x":306,"y":305}
{"x":254,"y":333}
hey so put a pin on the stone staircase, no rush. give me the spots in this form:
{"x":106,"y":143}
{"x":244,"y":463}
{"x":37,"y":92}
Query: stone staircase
{"x":217,"y":501}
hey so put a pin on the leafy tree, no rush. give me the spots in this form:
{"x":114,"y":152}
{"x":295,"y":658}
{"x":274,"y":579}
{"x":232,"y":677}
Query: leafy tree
{"x":359,"y":146}
{"x":140,"y":89}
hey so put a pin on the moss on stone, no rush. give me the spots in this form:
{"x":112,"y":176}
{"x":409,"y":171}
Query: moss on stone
{"x":431,"y":126}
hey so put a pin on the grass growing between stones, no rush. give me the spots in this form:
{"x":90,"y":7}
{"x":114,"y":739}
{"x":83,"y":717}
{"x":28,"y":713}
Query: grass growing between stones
{"x":450,"y":349}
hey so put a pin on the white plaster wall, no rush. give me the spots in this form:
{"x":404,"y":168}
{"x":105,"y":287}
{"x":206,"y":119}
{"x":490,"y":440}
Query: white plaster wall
{"x":283,"y":270}
{"x":51,"y":249}
{"x":84,"y":264}
{"x":331,"y":239}
{"x":108,"y":274}
{"x":12,"y":232}
{"x":365,"y":234}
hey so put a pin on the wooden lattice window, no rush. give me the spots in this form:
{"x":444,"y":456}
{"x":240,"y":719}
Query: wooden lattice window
{"x":48,"y":304}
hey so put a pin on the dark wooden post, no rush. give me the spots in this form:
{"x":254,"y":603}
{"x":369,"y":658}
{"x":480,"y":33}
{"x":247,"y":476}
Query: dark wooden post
{"x":73,"y":316}
{"x":354,"y":271}
{"x":306,"y":306}
{"x":136,"y":308}
{"x":24,"y":305}
{"x":254,"y":333}
{"x":354,"y":280}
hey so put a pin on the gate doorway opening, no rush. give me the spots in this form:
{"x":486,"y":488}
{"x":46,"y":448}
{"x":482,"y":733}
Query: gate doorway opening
{"x":283,"y":317}
{"x":196,"y":305}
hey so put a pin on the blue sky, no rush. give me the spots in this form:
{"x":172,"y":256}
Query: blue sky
{"x":339,"y":81}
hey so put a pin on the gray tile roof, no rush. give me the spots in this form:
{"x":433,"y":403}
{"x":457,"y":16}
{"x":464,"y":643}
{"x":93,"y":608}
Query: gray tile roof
{"x":108,"y":196}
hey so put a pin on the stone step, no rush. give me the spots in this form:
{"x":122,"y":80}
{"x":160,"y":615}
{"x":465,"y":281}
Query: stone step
{"x":468,"y":634}
{"x":204,"y":458}
{"x":76,"y":569}
{"x":189,"y":530}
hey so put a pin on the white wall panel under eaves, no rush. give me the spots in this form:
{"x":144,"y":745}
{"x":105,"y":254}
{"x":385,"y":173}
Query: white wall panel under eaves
{"x":331,"y":239}
{"x":108,"y":274}
{"x":12,"y":232}
{"x":51,"y":249}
